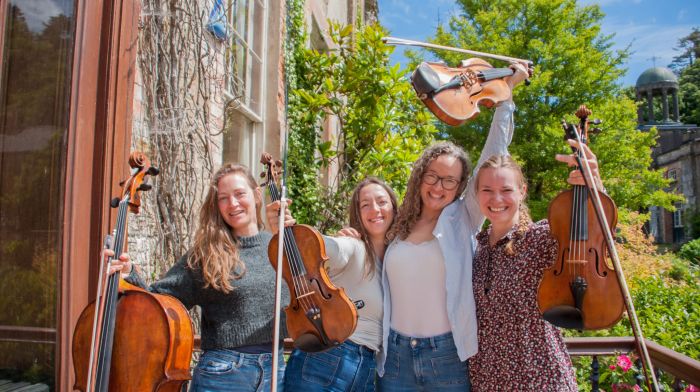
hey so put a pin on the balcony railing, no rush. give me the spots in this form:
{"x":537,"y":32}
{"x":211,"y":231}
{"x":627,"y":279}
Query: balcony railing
{"x":681,"y":367}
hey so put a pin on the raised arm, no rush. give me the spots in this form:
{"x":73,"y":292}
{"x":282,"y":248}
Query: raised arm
{"x":499,"y":138}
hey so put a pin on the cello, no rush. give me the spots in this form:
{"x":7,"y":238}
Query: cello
{"x":580,"y":290}
{"x":320,"y":316}
{"x":111,"y":348}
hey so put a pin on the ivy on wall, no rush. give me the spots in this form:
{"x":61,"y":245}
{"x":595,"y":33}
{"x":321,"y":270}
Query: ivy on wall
{"x":382,"y":127}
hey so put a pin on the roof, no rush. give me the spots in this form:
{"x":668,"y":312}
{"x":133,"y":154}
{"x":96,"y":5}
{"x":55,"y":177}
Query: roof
{"x":655,"y":75}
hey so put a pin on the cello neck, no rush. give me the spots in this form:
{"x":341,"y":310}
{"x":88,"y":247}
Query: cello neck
{"x":108,"y":306}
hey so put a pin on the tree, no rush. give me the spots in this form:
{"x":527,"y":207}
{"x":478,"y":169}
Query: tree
{"x":689,"y":87}
{"x":382,"y":125}
{"x":689,"y":46}
{"x":574,"y":65}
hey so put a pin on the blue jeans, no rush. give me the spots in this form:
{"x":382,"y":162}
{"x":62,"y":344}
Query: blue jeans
{"x":232,"y":371}
{"x":346,"y":368}
{"x":423,"y":364}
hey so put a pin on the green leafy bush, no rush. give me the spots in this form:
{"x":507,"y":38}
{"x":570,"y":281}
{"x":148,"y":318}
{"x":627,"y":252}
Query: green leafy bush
{"x":691,"y":251}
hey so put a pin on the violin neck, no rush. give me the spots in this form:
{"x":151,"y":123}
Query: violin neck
{"x":579,"y":214}
{"x":494,"y":73}
{"x":294,"y":257}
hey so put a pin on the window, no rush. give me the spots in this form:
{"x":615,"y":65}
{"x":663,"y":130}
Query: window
{"x":245,"y":58}
{"x":245,"y":61}
{"x":672,"y":175}
{"x":37,"y":53}
{"x":654,"y":222}
{"x":678,"y":216}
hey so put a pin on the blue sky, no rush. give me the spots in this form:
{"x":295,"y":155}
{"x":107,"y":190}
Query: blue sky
{"x":652,"y":27}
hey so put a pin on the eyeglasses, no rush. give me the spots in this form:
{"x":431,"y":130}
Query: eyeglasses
{"x":448,"y":183}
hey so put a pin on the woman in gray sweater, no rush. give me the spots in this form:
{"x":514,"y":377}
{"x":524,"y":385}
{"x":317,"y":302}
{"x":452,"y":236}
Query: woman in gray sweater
{"x":227,"y":273}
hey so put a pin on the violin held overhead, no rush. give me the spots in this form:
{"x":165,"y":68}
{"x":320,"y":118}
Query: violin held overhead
{"x":455,"y":94}
{"x":320,"y":316}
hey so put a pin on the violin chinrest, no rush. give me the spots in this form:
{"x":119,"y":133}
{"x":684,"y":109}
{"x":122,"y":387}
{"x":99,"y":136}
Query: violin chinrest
{"x":425,"y":80}
{"x":310,"y":343}
{"x":564,"y":316}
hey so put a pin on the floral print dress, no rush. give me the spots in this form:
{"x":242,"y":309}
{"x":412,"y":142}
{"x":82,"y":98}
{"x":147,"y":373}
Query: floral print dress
{"x":518,"y":349}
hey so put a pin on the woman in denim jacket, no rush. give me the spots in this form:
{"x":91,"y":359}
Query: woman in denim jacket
{"x":429,"y":326}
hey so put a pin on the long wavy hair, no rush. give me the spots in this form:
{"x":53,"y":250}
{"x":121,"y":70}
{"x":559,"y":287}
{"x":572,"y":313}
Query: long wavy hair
{"x":524,"y":219}
{"x":215,"y":248}
{"x":356,"y":220}
{"x":412,"y":205}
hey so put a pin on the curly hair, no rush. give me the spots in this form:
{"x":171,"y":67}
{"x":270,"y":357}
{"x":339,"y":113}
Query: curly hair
{"x":215,"y":247}
{"x":356,"y":220}
{"x":412,"y":205}
{"x":524,"y":219}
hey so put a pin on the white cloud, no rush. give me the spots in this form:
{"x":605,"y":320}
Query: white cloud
{"x":38,"y":12}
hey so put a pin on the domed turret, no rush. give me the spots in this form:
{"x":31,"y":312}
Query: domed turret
{"x":657,"y":82}
{"x":656,"y":75}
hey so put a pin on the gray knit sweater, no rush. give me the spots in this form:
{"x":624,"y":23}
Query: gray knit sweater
{"x":243,"y":317}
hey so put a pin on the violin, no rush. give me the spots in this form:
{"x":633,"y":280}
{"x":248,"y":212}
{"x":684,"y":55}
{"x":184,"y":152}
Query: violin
{"x":129,"y":339}
{"x":455,"y":94}
{"x":580,"y":291}
{"x":320,"y":315}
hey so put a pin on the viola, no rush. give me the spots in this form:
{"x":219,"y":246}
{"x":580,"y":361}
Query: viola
{"x":129,"y":339}
{"x":320,"y":315}
{"x":580,"y":291}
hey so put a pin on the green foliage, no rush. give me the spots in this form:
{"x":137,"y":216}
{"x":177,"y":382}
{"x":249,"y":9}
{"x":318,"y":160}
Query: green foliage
{"x":691,"y":251}
{"x":382,"y":125}
{"x":689,"y":87}
{"x":668,"y":311}
{"x":574,"y":65}
{"x":689,"y":46}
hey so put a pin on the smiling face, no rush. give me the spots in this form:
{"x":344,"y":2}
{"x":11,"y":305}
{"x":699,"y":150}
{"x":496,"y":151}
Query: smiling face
{"x":376,"y":211}
{"x":435,"y":197}
{"x":236,"y":202}
{"x":499,"y":194}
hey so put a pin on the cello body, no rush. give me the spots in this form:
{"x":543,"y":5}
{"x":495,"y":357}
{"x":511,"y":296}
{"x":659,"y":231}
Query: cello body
{"x":153,"y":343}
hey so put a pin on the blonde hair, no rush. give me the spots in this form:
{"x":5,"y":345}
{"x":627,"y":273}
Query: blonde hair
{"x":524,"y":219}
{"x":356,"y":220}
{"x":215,"y":248}
{"x":412,"y":205}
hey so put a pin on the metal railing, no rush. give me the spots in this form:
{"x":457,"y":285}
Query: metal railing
{"x":680,"y":366}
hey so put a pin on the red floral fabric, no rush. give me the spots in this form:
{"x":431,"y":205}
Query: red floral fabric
{"x":518,"y":350}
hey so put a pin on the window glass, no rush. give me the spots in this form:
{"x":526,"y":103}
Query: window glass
{"x":36,"y":57}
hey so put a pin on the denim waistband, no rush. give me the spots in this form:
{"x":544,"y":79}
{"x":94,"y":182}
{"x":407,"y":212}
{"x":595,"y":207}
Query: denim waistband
{"x":433,"y":341}
{"x":359,"y":347}
{"x":234,"y":356}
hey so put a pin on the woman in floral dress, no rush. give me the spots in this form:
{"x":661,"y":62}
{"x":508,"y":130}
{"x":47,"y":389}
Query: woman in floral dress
{"x":518,"y":349}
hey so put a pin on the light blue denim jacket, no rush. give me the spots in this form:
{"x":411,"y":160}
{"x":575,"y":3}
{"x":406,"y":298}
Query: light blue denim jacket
{"x":456,"y":231}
